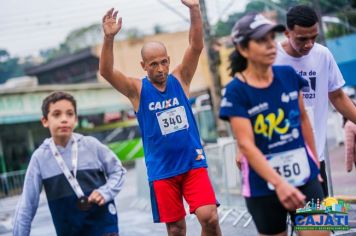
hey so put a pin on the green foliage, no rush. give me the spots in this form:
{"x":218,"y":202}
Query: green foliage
{"x":157,"y":29}
{"x":255,"y":6}
{"x":346,"y":26}
{"x":133,"y":33}
{"x":343,"y":9}
{"x":333,"y":6}
{"x":51,"y":53}
{"x":223,"y":28}
{"x":9,"y":67}
{"x":286,"y":4}
{"x":83,"y":37}
{"x":76,"y":40}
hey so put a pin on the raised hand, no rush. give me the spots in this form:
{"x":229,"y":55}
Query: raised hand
{"x":110,"y":27}
{"x":190,"y":3}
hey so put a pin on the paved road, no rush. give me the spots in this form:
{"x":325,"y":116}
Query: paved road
{"x":135,"y":216}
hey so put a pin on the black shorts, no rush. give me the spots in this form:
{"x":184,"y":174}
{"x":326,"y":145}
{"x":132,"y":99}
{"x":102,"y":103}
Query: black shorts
{"x":324,"y":184}
{"x":268,"y":213}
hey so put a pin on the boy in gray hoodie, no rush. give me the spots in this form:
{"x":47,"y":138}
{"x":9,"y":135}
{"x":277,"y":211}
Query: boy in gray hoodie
{"x":80,"y":176}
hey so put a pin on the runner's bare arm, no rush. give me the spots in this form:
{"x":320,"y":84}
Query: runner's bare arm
{"x":290,"y":197}
{"x":128,"y":86}
{"x":343,"y":104}
{"x":307,"y":130}
{"x":185,"y":71}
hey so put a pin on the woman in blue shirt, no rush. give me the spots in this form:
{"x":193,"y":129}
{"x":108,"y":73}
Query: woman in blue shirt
{"x":267,"y":116}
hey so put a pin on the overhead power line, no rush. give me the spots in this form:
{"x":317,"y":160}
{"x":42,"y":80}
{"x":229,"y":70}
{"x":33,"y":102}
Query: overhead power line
{"x":76,"y":8}
{"x":71,"y":15}
{"x":174,"y":10}
{"x":31,"y":27}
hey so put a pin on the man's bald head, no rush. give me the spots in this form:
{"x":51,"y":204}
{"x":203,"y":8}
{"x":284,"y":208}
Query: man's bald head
{"x":151,"y":49}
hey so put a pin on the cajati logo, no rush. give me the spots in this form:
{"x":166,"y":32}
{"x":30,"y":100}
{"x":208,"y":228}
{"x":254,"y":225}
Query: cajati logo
{"x":328,"y":214}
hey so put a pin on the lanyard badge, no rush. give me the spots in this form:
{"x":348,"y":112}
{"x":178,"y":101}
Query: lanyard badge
{"x":82,"y":203}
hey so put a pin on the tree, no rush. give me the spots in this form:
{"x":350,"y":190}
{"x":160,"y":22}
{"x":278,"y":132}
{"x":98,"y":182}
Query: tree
{"x":345,"y":25}
{"x":343,"y":9}
{"x":9,"y":67}
{"x":223,"y":28}
{"x":132,"y":33}
{"x":157,"y":29}
{"x":76,"y":40}
{"x":51,"y":53}
{"x":83,"y":37}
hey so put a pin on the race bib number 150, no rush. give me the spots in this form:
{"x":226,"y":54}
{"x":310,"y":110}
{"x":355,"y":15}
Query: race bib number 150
{"x":172,"y":120}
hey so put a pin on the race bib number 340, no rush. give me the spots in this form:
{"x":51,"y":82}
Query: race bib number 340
{"x":292,"y":165}
{"x":172,"y":120}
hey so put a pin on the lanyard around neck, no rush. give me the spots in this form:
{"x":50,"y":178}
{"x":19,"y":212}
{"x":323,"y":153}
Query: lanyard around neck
{"x":74,"y":157}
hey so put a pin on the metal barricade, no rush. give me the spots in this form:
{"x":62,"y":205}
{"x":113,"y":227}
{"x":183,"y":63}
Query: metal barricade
{"x":215,"y":170}
{"x":224,"y":176}
{"x":142,"y":200}
{"x":11,"y":183}
{"x":226,"y":180}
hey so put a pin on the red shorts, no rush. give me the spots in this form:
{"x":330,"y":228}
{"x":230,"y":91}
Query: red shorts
{"x":166,"y":195}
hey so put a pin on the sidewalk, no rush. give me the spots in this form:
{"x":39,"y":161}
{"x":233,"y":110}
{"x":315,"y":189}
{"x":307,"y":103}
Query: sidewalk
{"x":343,"y":181}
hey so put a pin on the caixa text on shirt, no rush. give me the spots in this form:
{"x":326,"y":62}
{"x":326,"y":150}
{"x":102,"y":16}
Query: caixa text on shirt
{"x":152,"y":106}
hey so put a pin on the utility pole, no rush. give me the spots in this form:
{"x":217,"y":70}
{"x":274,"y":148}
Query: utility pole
{"x":317,"y":9}
{"x":213,"y":61}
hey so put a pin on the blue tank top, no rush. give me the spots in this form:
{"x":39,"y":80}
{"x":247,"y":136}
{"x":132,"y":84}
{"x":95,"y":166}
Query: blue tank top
{"x":170,"y":135}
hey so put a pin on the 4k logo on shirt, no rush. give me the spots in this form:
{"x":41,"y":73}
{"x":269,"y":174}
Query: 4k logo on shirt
{"x":271,"y":123}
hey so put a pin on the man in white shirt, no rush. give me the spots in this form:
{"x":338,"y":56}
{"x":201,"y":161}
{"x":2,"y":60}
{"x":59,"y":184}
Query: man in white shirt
{"x":316,"y":64}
